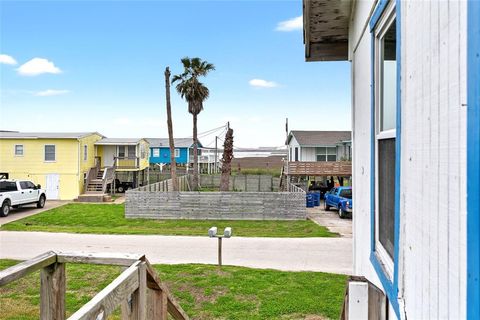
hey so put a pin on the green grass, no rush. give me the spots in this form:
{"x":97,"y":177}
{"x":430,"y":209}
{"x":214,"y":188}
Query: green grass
{"x":203,"y":291}
{"x":109,"y":219}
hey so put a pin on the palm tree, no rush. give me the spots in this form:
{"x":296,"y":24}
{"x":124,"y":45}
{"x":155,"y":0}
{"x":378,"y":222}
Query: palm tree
{"x":195,"y":93}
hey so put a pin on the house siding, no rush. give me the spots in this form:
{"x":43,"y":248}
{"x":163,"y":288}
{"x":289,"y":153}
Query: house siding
{"x":432,"y":264}
{"x":434,"y":159}
{"x":164,"y":156}
{"x":32,"y":166}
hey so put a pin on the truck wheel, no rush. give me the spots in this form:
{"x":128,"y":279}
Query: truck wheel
{"x":341,"y":213}
{"x":120,"y":189}
{"x":5,"y":209}
{"x":327,"y":207}
{"x":41,"y":202}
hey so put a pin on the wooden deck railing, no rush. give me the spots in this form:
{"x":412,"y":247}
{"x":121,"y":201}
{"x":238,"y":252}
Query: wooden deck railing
{"x":319,"y":168}
{"x":138,"y":290}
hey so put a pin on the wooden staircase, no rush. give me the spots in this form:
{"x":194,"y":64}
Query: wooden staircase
{"x":95,"y":185}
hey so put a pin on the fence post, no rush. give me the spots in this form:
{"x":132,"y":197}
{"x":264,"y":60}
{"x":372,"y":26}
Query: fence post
{"x":135,"y":308}
{"x":246,"y":184}
{"x":157,"y":304}
{"x":259,"y":183}
{"x":52,"y":292}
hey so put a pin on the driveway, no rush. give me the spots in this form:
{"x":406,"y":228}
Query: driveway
{"x":331,"y":220}
{"x":289,"y":254}
{"x":30,"y":210}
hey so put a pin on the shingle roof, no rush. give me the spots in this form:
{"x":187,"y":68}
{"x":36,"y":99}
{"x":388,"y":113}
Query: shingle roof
{"x":118,"y":141}
{"x":319,"y":138}
{"x":178,"y":142}
{"x":44,"y":135}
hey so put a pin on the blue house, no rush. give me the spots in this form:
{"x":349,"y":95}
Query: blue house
{"x":160,"y":150}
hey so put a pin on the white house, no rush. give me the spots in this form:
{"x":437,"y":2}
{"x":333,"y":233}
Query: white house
{"x":319,"y":145}
{"x":415,"y":70}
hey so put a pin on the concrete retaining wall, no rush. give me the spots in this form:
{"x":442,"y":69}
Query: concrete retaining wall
{"x":215,"y":205}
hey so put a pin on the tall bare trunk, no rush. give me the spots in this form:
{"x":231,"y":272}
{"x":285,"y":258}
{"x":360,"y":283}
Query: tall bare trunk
{"x":227,"y":160}
{"x":195,"y":154}
{"x":173,"y":164}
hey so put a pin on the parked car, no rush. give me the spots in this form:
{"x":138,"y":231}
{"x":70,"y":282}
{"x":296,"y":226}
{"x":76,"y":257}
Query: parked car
{"x":340,"y":198}
{"x":120,"y":186}
{"x":15,"y":193}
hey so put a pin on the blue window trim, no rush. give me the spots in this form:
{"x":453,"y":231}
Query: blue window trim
{"x":390,"y":286}
{"x":473,"y":159}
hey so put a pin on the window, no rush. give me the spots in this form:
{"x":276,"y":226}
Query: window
{"x":85,"y":152}
{"x":19,"y":150}
{"x":290,"y":153}
{"x":177,"y":153}
{"x":27,"y":185}
{"x":49,"y":152}
{"x":132,"y":152}
{"x":385,"y":100}
{"x":296,"y":154}
{"x":142,"y":151}
{"x":121,"y":151}
{"x":6,"y":186}
{"x":156,"y":152}
{"x":326,"y":153}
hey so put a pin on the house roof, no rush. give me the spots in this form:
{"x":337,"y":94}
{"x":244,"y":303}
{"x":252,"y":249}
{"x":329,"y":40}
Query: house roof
{"x":319,"y":138}
{"x":178,"y":142}
{"x":119,"y":141}
{"x":45,"y":135}
{"x":325,"y":29}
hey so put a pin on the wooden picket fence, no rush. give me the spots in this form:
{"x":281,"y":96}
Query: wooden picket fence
{"x":138,"y":290}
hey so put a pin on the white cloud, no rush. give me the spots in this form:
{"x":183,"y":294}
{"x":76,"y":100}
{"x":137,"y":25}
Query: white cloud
{"x":260,"y":83}
{"x":290,"y":25}
{"x":50,"y":92}
{"x":37,"y":66}
{"x":6,"y":59}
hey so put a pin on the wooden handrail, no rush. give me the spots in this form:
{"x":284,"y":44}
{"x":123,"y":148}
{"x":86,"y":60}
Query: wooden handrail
{"x":26,"y":267}
{"x":138,"y":290}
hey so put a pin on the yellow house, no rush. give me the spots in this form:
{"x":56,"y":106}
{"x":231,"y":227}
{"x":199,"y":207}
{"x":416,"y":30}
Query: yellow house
{"x":57,"y":161}
{"x":128,"y":156}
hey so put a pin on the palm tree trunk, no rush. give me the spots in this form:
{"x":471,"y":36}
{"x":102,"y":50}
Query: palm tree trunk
{"x":227,"y":160}
{"x":173,"y":164}
{"x":195,"y":154}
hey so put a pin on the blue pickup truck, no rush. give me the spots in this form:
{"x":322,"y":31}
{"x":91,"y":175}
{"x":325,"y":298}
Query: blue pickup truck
{"x":340,"y":198}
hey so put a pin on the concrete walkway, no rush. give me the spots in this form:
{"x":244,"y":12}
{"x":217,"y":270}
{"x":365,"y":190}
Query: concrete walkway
{"x":30,"y":210}
{"x":292,"y":254}
{"x":331,"y":220}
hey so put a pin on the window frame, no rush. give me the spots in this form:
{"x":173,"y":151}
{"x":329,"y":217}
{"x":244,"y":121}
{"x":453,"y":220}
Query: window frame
{"x":85,"y":152}
{"x":176,"y":152}
{"x":45,"y":153}
{"x":155,"y":152}
{"x":382,"y":13}
{"x":388,"y":18}
{"x":15,"y":150}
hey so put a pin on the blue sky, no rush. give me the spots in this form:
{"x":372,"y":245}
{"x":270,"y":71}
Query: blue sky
{"x":98,"y":66}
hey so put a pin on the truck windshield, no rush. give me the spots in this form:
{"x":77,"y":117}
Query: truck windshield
{"x":346,"y":193}
{"x":7,"y":186}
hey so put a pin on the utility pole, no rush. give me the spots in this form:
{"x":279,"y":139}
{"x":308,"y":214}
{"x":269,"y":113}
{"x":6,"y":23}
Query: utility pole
{"x":215,"y":163}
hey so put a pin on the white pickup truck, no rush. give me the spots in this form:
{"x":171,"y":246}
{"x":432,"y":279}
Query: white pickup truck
{"x":15,"y":193}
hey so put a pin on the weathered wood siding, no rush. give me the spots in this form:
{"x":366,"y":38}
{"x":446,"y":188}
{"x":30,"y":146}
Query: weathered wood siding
{"x":216,"y":205}
{"x":432,"y":269}
{"x":433,"y":160}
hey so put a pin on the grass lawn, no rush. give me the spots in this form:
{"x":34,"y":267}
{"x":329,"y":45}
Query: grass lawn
{"x":204,"y":291}
{"x":109,"y":219}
